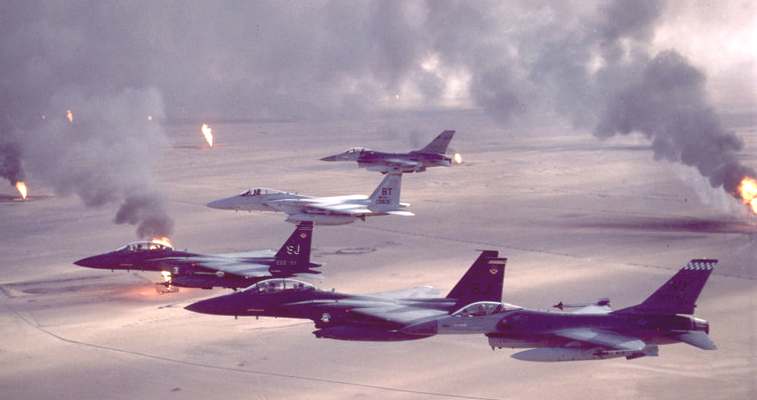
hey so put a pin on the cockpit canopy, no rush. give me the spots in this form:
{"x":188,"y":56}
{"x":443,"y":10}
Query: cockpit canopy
{"x":145,"y":245}
{"x":277,"y":285}
{"x":259,"y":192}
{"x":483,"y":308}
{"x":355,"y":150}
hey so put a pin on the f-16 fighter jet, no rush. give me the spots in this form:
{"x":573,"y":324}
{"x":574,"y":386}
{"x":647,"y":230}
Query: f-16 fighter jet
{"x":433,"y":155}
{"x":206,"y":271}
{"x":378,"y":317}
{"x":592,"y":332}
{"x":336,"y":210}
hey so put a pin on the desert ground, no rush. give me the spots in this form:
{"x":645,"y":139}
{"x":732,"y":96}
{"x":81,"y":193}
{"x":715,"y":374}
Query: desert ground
{"x":578,"y":218}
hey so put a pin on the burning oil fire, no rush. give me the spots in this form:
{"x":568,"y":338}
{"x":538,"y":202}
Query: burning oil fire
{"x":457,"y":158}
{"x":166,"y":276}
{"x":208,"y":133}
{"x":22,"y":189}
{"x":70,"y":116}
{"x":748,"y":192}
{"x":162,"y":240}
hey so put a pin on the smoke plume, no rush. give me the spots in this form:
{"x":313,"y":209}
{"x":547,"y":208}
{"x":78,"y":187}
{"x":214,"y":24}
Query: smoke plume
{"x":10,"y":160}
{"x":593,"y":64}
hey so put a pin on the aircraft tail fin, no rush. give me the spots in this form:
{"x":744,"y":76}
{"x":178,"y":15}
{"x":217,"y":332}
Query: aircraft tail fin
{"x":679,"y":294}
{"x":387,"y":193}
{"x":483,"y":281}
{"x":440,"y":143}
{"x":294,"y":254}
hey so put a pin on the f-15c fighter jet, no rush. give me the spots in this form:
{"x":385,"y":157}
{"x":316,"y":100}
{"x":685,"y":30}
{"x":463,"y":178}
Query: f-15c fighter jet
{"x":336,"y":210}
{"x":592,"y":332}
{"x":235,"y":270}
{"x":378,"y":317}
{"x":433,"y":155}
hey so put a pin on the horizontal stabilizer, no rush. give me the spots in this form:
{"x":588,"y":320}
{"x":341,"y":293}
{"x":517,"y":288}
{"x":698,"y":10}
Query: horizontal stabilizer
{"x":402,"y":213}
{"x":697,"y":339}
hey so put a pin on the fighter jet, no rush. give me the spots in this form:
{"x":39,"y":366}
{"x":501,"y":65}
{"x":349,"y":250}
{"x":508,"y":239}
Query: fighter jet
{"x":337,"y":210}
{"x":591,"y":332}
{"x":377,"y":317}
{"x":206,"y":271}
{"x":433,"y":155}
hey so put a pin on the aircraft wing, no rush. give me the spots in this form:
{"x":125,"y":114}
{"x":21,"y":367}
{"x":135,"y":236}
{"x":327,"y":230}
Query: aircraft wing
{"x":412,"y":293}
{"x":593,"y":309}
{"x":233,"y":267}
{"x":600,"y":338}
{"x":398,"y":314}
{"x":337,"y":208}
{"x":401,"y":163}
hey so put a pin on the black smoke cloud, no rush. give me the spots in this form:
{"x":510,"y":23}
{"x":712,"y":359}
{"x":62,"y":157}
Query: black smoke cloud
{"x":667,"y":103}
{"x":595,"y":66}
{"x":589,"y":63}
{"x":10,"y":161}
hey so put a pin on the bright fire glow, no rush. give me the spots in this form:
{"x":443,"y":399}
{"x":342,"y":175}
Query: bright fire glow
{"x":166,"y":276}
{"x":22,"y":189}
{"x":162,"y":240}
{"x":70,"y":116}
{"x":748,"y":192}
{"x":457,"y":158}
{"x":208,"y":133}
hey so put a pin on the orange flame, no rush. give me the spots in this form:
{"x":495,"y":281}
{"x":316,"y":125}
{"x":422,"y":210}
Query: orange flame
{"x":208,"y":133}
{"x":22,"y":189}
{"x":748,"y":192}
{"x":162,"y":240}
{"x":70,"y":116}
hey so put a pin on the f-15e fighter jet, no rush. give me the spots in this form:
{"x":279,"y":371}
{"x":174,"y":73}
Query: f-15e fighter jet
{"x":376,"y":317}
{"x":206,"y":271}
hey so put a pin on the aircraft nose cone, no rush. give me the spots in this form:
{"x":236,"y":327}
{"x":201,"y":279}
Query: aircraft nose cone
{"x":329,"y":158}
{"x":217,"y":306}
{"x":426,"y":328}
{"x":221,"y":204}
{"x":202,"y":307}
{"x":89,"y":262}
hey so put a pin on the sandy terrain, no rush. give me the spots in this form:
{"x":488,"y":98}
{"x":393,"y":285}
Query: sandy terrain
{"x":578,"y":218}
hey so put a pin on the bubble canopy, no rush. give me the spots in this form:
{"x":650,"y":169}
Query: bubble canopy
{"x":144,"y":245}
{"x":484,"y":308}
{"x":258,"y":192}
{"x":278,"y":285}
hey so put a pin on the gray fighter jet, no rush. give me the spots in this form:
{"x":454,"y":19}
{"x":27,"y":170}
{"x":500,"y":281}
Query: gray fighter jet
{"x":433,"y":155}
{"x":234,"y":270}
{"x":335,"y":210}
{"x":593,"y":332}
{"x":377,"y":317}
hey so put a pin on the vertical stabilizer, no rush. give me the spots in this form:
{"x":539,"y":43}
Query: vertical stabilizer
{"x":295,"y":252}
{"x":483,"y":281}
{"x":439,"y":144}
{"x":387,"y":194}
{"x":679,"y":294}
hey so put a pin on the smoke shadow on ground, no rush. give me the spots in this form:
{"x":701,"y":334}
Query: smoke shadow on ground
{"x":556,"y":148}
{"x":5,"y":198}
{"x":652,"y":224}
